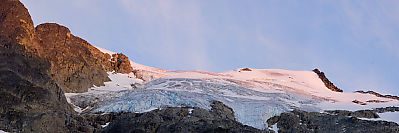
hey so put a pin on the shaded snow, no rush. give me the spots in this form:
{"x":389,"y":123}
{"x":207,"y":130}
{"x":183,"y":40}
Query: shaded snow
{"x":118,"y":82}
{"x":274,"y":128}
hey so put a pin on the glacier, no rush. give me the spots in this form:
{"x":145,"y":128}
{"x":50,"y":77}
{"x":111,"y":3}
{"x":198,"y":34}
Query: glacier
{"x":255,"y":95}
{"x":251,"y":107}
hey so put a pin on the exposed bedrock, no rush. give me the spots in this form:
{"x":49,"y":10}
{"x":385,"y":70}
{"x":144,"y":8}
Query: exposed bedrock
{"x":75,"y":64}
{"x":300,"y":121}
{"x":181,"y":120}
{"x":30,"y":100}
{"x":327,"y":82}
{"x":379,"y":95}
{"x":120,"y":63}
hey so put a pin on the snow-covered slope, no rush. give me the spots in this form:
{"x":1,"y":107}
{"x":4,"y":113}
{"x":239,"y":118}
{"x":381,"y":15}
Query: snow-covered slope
{"x":254,"y":94}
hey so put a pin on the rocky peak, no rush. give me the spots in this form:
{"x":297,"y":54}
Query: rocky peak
{"x":326,"y":82}
{"x":29,"y":97}
{"x":378,"y":95}
{"x":120,"y":63}
{"x":75,"y":64}
{"x":16,"y":23}
{"x":49,"y":29}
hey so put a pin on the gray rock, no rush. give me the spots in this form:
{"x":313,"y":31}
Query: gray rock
{"x":180,"y":119}
{"x":301,"y":121}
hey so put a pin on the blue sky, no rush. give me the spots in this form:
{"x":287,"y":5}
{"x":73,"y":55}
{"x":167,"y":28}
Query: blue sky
{"x":355,"y":42}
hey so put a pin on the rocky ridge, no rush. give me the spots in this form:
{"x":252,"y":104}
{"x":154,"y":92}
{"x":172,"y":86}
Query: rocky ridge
{"x":120,"y":63}
{"x":370,"y":113}
{"x":30,"y":100}
{"x":301,"y":121}
{"x":75,"y":64}
{"x":379,"y":95}
{"x":181,"y":119}
{"x":327,"y":82}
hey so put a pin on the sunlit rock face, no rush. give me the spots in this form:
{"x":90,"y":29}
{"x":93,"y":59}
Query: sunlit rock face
{"x":75,"y":64}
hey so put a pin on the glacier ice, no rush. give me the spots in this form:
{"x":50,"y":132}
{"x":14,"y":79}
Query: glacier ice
{"x":251,"y":107}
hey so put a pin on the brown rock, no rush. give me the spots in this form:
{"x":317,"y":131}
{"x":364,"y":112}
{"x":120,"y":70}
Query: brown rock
{"x":245,"y":69}
{"x":379,"y":95}
{"x":27,"y":93}
{"x":75,"y":64}
{"x":30,"y":100}
{"x":327,"y":82}
{"x":359,"y":102}
{"x":314,"y":122}
{"x":120,"y":63}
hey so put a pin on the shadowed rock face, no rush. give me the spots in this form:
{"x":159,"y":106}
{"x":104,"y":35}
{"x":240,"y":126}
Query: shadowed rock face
{"x":30,"y":100}
{"x":180,"y":120}
{"x":27,"y":93}
{"x":74,"y":63}
{"x":327,"y":82}
{"x":300,"y":121}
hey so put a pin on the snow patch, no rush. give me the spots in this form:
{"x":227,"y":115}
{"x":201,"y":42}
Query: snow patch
{"x":105,"y":125}
{"x":274,"y":128}
{"x":190,"y":111}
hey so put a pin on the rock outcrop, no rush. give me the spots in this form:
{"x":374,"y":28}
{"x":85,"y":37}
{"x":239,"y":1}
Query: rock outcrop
{"x":180,"y":120}
{"x":120,"y":63}
{"x":309,"y":122}
{"x":75,"y":64}
{"x":378,"y":94}
{"x":327,"y":82}
{"x":359,"y":102}
{"x":371,"y":113}
{"x":30,"y":100}
{"x":358,"y":114}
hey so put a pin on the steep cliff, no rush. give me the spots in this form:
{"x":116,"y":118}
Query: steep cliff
{"x":75,"y":64}
{"x":30,"y":100}
{"x":327,"y":82}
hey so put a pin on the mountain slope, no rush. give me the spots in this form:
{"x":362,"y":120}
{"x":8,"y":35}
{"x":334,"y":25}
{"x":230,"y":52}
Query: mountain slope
{"x":29,"y":97}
